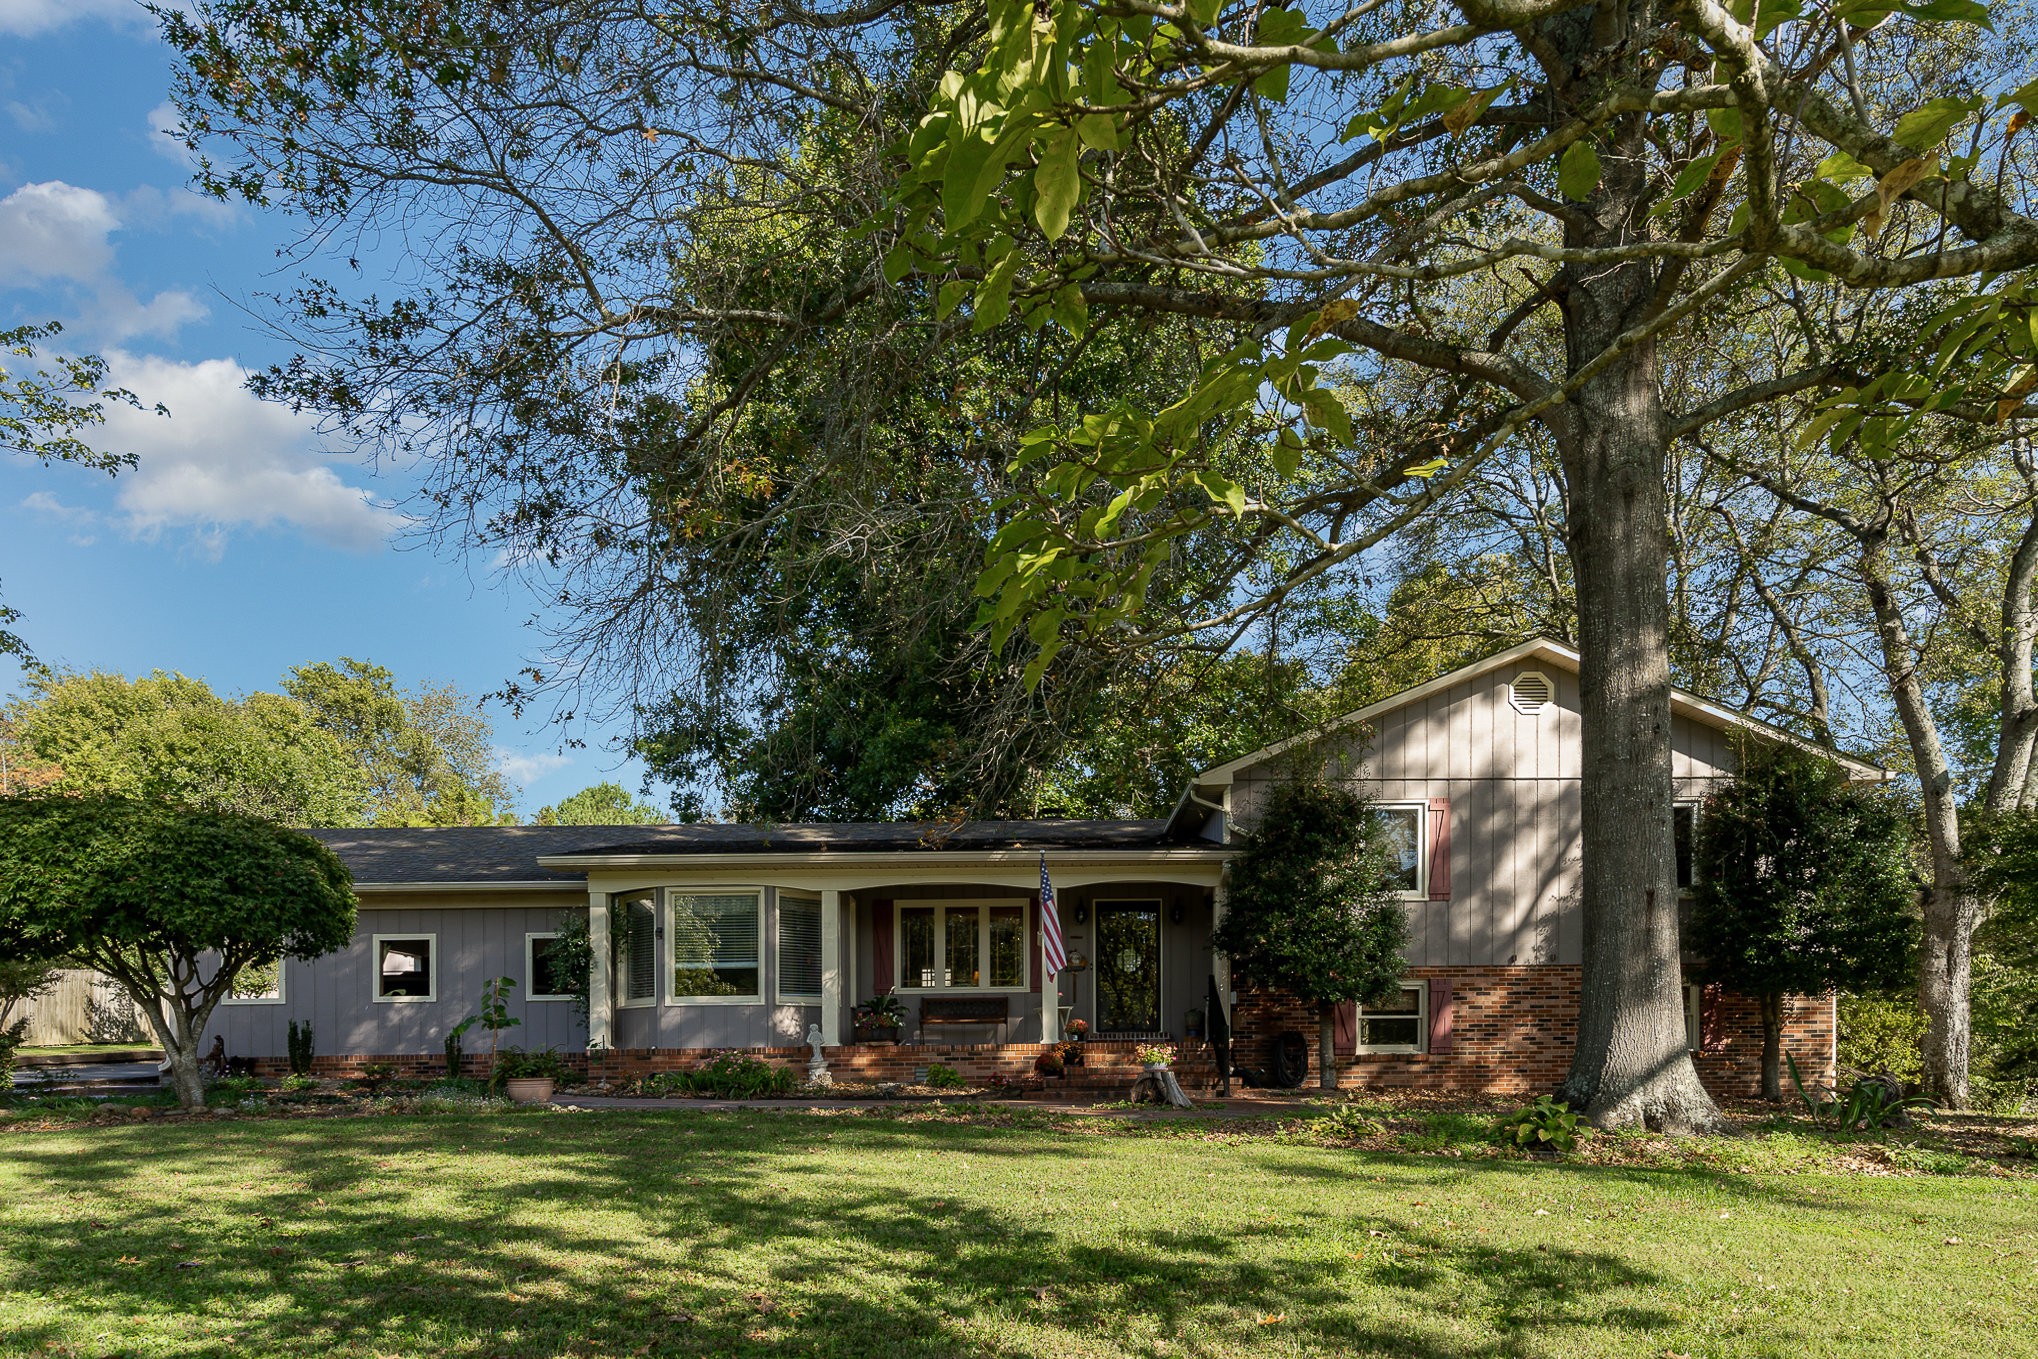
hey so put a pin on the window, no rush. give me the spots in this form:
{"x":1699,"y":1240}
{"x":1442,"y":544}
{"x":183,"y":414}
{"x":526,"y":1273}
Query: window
{"x":716,"y":945}
{"x":633,"y":929}
{"x":1684,"y":835}
{"x":545,"y":975}
{"x":406,"y":966}
{"x":1398,"y":1026}
{"x":980,"y":946}
{"x":799,"y":947}
{"x":257,"y":984}
{"x":1403,"y":828}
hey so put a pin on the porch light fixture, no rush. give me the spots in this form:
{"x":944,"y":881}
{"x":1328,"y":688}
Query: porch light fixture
{"x":1175,"y":914}
{"x":1080,"y":913}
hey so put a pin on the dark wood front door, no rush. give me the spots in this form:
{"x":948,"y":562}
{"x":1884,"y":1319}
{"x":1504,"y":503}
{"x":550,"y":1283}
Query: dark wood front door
{"x":1129,"y":968}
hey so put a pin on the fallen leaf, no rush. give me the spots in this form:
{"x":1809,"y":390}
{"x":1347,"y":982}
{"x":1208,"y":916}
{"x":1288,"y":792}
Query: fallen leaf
{"x":1273,"y":1318}
{"x":1953,"y":1241}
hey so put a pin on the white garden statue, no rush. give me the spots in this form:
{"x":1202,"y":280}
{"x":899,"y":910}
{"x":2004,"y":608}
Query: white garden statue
{"x":817,"y":1065}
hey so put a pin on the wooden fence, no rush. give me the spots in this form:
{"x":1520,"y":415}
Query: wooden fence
{"x":83,"y":1007}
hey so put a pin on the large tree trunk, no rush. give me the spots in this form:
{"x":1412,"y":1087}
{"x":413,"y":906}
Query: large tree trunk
{"x":1945,"y":975}
{"x":1326,"y":1045}
{"x":1772,"y":1046}
{"x":1631,"y":1068}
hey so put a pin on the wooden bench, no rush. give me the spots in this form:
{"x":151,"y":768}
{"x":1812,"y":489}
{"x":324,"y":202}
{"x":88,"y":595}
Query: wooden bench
{"x":987,"y":1010}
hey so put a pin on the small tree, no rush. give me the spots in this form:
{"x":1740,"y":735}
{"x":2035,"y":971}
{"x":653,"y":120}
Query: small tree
{"x":1804,"y":885}
{"x":1313,"y":906}
{"x":173,"y":904}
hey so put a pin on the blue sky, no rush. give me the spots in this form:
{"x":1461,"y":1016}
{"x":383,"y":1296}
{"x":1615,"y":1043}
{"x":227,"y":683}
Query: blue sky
{"x":240,"y":545}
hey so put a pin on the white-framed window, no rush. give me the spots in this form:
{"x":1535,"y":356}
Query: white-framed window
{"x":1399,"y":1026}
{"x":544,"y":976}
{"x":715,"y":939}
{"x":406,"y":967}
{"x":257,"y":984}
{"x":962,"y":946}
{"x":799,"y":948}
{"x":1684,"y":843}
{"x":633,"y":942}
{"x":1407,"y":828}
{"x":1694,"y":1018}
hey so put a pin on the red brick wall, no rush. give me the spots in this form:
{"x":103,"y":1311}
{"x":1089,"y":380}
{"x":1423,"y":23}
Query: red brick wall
{"x":1514,"y":1028}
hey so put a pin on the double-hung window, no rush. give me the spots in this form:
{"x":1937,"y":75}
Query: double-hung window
{"x":717,"y":944}
{"x":799,"y":948}
{"x":1403,"y":828}
{"x":633,"y":929}
{"x":1401,"y":1025}
{"x":1684,"y":842}
{"x":963,"y":946}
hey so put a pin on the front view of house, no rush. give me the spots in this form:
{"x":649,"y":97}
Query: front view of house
{"x":716,"y":937}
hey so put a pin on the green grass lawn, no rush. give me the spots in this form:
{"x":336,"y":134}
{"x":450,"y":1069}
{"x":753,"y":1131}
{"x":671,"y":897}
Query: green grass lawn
{"x":925,"y":1233}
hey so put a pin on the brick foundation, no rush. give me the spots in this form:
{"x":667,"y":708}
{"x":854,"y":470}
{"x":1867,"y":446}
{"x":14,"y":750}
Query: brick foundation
{"x":1512,"y":1030}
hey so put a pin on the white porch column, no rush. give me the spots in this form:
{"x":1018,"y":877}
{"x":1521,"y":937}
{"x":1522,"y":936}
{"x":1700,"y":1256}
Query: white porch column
{"x":831,"y":967}
{"x":600,"y":1004}
{"x":1050,"y":996}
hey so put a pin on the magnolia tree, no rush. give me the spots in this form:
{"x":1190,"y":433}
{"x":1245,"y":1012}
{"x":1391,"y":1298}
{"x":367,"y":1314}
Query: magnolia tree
{"x":1804,"y":885}
{"x":174,"y":905}
{"x":1312,"y":906}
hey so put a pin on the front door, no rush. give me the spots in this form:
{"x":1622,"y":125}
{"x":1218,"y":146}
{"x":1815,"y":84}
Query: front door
{"x":1129,"y":967}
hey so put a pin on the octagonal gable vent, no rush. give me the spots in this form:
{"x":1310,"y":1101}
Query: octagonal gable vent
{"x":1531,"y":692}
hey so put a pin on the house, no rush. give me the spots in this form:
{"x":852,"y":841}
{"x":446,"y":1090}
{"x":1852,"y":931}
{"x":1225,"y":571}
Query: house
{"x":718,"y":937}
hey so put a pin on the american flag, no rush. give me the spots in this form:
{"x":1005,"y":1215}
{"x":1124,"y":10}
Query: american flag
{"x":1052,"y":951}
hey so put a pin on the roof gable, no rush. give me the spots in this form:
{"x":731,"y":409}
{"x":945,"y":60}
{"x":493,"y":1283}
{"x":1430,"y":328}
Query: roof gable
{"x":1534,"y":652}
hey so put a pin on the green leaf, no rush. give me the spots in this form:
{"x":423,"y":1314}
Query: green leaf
{"x":1725,"y":125}
{"x":899,"y":261}
{"x":1924,"y":128}
{"x":1693,"y":175}
{"x":1578,"y":171}
{"x":1058,"y":183}
{"x":1071,"y":310}
{"x":949,"y":298}
{"x":1044,"y":626}
{"x":1842,"y":168}
{"x":1223,"y":490}
{"x":1098,"y":131}
{"x":994,"y":295}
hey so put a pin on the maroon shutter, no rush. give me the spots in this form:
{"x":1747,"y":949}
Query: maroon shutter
{"x":881,"y":972}
{"x":1440,"y":1038}
{"x":1345,"y":1030}
{"x":1033,"y":914}
{"x":1439,"y":849}
{"x":1710,"y":1038}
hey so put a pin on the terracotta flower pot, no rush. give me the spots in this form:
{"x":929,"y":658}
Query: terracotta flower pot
{"x":529,"y":1089}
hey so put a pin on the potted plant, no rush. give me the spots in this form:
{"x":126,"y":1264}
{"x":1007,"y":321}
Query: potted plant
{"x":1077,"y":1029}
{"x":1070,"y":1053}
{"x":1156,"y":1057}
{"x":1047,"y":1064}
{"x":529,"y":1077}
{"x":878,"y":1020}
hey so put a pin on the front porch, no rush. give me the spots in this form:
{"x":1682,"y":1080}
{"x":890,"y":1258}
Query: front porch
{"x":1102,"y":1066}
{"x":702,"y":953}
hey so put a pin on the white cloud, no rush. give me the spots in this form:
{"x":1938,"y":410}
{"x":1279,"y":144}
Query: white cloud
{"x":55,"y":233}
{"x":166,"y":133}
{"x":81,"y":522}
{"x":26,"y":18}
{"x":29,"y":117}
{"x":224,"y":461}
{"x":55,"y":230}
{"x":522,"y":768}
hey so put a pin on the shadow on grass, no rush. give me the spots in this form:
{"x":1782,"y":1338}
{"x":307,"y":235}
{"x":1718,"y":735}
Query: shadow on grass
{"x":699,"y":1234}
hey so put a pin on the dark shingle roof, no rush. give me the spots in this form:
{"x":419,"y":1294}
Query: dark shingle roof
{"x":511,"y":853}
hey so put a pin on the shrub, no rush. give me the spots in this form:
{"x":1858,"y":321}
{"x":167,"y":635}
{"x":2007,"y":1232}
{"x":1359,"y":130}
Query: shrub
{"x":297,"y":1084}
{"x":1047,"y":1064}
{"x":1546,"y":1125}
{"x":1870,"y":1104}
{"x":514,"y":1064}
{"x":10,"y":1040}
{"x":375,"y":1075}
{"x":301,"y":1048}
{"x":231,"y":1089}
{"x":1882,"y":1033}
{"x":941,"y":1077}
{"x":736,"y":1075}
{"x":1349,"y":1123}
